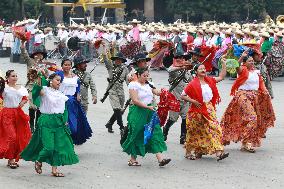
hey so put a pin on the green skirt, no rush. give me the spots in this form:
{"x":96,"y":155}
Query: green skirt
{"x":51,"y":142}
{"x":134,"y":143}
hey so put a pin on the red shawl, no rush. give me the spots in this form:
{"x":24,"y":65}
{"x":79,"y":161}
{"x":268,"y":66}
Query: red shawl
{"x":243,"y":76}
{"x":194,"y":91}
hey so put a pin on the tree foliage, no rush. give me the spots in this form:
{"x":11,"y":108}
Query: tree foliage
{"x":18,"y":9}
{"x":225,"y":10}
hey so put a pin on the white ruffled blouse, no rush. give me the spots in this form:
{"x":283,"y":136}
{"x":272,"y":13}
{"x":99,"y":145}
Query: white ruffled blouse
{"x":12,"y":97}
{"x":69,"y":85}
{"x":53,"y":101}
{"x":206,"y":93}
{"x":252,"y":83}
{"x":145,"y":94}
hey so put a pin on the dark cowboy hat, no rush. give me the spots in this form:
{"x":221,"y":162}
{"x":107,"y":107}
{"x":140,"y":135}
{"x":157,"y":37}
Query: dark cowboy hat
{"x":196,"y":51}
{"x":39,"y":50}
{"x":179,"y":54}
{"x":141,"y":56}
{"x":80,"y":60}
{"x":120,"y":56}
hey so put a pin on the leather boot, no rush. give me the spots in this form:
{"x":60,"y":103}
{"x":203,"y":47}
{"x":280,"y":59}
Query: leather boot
{"x":110,"y":123}
{"x":119,"y":121}
{"x":182,"y":131}
{"x":167,"y":128}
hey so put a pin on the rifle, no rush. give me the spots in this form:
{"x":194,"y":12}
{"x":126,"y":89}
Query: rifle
{"x":94,"y":67}
{"x":111,"y":86}
{"x":125,"y":106}
{"x":178,"y":80}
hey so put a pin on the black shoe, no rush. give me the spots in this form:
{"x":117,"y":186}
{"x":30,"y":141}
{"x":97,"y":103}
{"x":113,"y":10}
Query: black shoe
{"x":164,"y":162}
{"x":110,"y":130}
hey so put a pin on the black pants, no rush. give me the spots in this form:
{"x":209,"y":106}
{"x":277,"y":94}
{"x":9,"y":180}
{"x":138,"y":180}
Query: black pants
{"x":116,"y":116}
{"x":34,"y":115}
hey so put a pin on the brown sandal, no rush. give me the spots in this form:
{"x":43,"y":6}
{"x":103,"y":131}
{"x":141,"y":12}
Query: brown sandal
{"x":190,"y":156}
{"x":248,"y":148}
{"x":164,"y":162}
{"x":57,"y":174}
{"x":12,"y":165}
{"x":133,"y":163}
{"x":38,"y":167}
{"x":222,"y":156}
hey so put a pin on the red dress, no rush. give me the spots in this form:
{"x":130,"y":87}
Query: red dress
{"x":15,"y":132}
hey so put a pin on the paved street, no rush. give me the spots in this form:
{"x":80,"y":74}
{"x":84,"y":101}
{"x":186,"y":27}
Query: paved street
{"x":103,"y":165}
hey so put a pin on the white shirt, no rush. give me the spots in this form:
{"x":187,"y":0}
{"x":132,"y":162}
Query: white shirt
{"x":38,"y":38}
{"x":211,"y":41}
{"x":82,"y":36}
{"x":69,"y":85}
{"x":145,"y":94}
{"x":198,"y":41}
{"x":31,"y":27}
{"x":206,"y":93}
{"x":12,"y":97}
{"x":63,"y":35}
{"x":53,"y":101}
{"x":252,"y":83}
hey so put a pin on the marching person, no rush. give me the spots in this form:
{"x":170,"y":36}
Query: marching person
{"x":51,"y":142}
{"x":178,"y":79}
{"x":86,"y":82}
{"x":250,"y":113}
{"x":14,"y":123}
{"x":139,"y":115}
{"x":195,"y":55}
{"x":204,"y":133}
{"x":77,"y":120}
{"x":34,"y":67}
{"x":117,"y":75}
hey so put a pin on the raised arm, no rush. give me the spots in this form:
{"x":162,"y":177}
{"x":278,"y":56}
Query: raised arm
{"x":25,"y":55}
{"x":223,"y":72}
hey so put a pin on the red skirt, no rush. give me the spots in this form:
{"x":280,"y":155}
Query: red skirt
{"x":15,"y":132}
{"x":247,"y":118}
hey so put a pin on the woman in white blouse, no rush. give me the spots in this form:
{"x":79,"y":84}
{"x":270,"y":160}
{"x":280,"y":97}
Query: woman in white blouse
{"x":14,"y":123}
{"x":139,"y":115}
{"x":77,"y":120}
{"x":51,"y":141}
{"x":204,"y":133}
{"x":250,"y":113}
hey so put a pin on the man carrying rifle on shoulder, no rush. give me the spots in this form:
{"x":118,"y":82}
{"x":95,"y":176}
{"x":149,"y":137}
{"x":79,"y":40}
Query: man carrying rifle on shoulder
{"x":117,"y":75}
{"x":86,"y":81}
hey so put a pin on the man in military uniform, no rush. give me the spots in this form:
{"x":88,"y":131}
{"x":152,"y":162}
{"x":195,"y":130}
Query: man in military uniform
{"x":117,"y":75}
{"x":178,"y":79}
{"x":86,"y":82}
{"x":34,"y":67}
